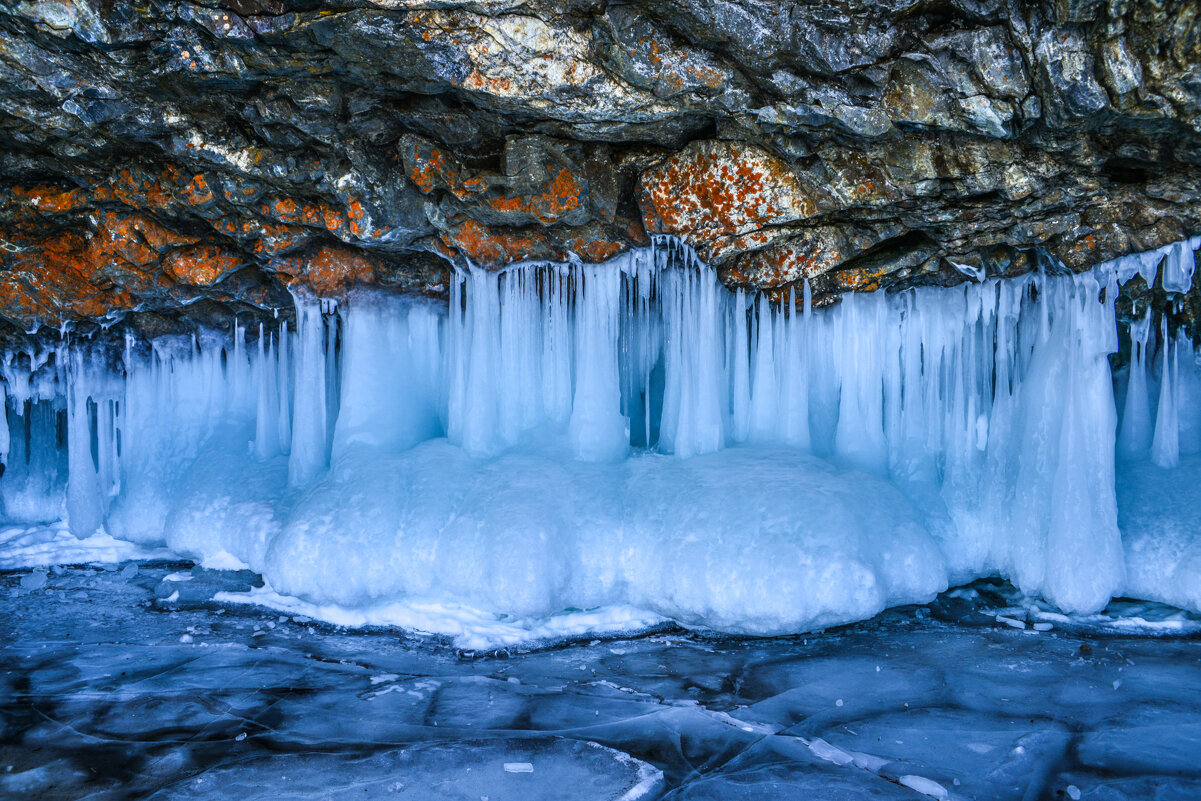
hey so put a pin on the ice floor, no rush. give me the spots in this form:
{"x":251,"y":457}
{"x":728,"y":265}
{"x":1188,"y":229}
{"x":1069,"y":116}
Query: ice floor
{"x":130,"y":682}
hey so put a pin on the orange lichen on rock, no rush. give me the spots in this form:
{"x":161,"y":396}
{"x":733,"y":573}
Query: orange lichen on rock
{"x":318,"y":215}
{"x":50,"y":199}
{"x":136,"y":189}
{"x":1085,"y":244}
{"x":493,"y":84}
{"x":329,"y":271}
{"x":560,"y":196}
{"x":62,"y":277}
{"x":782,"y":265}
{"x":197,"y":191}
{"x":275,"y":238}
{"x":716,"y":189}
{"x":859,"y":279}
{"x":429,"y":168}
{"x":201,"y":265}
{"x":332,"y":219}
{"x":548,"y":201}
{"x":594,"y":251}
{"x":159,"y":236}
{"x":143,"y":191}
{"x":495,"y":247}
{"x":128,"y":258}
{"x":134,"y":238}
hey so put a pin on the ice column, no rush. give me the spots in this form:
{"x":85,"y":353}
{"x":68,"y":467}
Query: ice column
{"x":740,"y":404}
{"x":1084,"y":561}
{"x":473,"y":392}
{"x":390,"y":373}
{"x":794,"y":398}
{"x":1135,"y":437}
{"x":85,"y":512}
{"x":556,"y":346}
{"x":266,"y":428}
{"x":765,"y":393}
{"x":1165,"y":446}
{"x":309,"y":455}
{"x":597,"y":429}
{"x":860,"y":435}
{"x":283,"y":382}
{"x":694,"y":395}
{"x":4,"y":433}
{"x":1178,"y":266}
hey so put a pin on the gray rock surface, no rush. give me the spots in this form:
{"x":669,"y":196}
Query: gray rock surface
{"x":195,"y":159}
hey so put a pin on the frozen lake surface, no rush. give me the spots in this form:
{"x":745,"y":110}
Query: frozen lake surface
{"x":130,"y":682}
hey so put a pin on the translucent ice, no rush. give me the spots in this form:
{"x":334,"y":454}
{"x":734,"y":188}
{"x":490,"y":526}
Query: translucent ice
{"x":434,"y":771}
{"x":567,"y":439}
{"x":1134,"y":441}
{"x":309,"y":446}
{"x":1178,"y":266}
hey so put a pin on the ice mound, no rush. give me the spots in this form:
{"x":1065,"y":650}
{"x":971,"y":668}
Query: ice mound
{"x":530,"y":534}
{"x":566,"y":439}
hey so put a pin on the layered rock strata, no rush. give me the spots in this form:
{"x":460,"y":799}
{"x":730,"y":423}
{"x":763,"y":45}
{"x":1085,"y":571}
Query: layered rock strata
{"x":169,"y":162}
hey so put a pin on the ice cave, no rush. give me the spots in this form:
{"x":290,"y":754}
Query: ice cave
{"x":561,"y":437}
{"x":662,"y":399}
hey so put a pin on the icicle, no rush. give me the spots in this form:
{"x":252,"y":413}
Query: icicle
{"x":519,"y":353}
{"x":1134,"y":441}
{"x":474,"y":395}
{"x":456,"y":367}
{"x":4,"y":433}
{"x":556,"y":349}
{"x":1144,"y":264}
{"x":332,"y":323}
{"x":390,"y":374}
{"x":309,"y":455}
{"x":236,"y":365}
{"x":108,"y":468}
{"x":741,"y":406}
{"x":765,"y":394}
{"x":597,"y":428}
{"x":794,"y":399}
{"x":85,"y":511}
{"x":1178,"y":267}
{"x":283,"y":384}
{"x":266,"y":420}
{"x":694,"y":395}
{"x":860,"y":434}
{"x":1165,"y":446}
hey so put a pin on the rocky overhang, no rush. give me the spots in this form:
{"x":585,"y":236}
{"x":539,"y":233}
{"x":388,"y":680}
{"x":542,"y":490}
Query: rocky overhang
{"x":172,"y":161}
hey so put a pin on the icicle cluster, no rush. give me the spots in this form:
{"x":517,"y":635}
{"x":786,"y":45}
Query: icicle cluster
{"x":999,"y":403}
{"x":582,"y":436}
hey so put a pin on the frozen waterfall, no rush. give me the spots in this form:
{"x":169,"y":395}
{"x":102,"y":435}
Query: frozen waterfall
{"x":633,"y":440}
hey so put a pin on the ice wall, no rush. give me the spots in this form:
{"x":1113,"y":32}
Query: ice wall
{"x":628,"y":434}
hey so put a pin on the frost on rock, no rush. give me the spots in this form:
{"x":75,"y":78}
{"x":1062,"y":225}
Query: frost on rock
{"x":632,"y":437}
